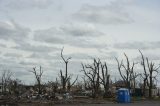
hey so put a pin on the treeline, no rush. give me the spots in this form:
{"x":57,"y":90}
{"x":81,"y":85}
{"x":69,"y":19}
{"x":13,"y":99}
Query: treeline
{"x":96,"y":76}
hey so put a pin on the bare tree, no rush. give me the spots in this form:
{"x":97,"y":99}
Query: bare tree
{"x":16,"y":87}
{"x":105,"y":79}
{"x":69,"y":84}
{"x":79,"y":85}
{"x":92,"y":73}
{"x":38,"y":76}
{"x":127,"y":72}
{"x":143,"y":86}
{"x":6,"y":78}
{"x":87,"y":83}
{"x":150,"y":73}
{"x":65,"y":79}
{"x":53,"y":85}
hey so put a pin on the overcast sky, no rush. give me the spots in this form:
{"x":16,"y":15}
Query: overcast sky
{"x":33,"y":32}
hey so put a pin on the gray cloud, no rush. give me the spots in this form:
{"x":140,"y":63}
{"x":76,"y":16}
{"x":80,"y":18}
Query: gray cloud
{"x":5,"y":61}
{"x":13,"y":31}
{"x":10,"y":64}
{"x":2,"y":45}
{"x":12,"y":55}
{"x":23,"y":4}
{"x":83,"y":43}
{"x":27,"y":63}
{"x":104,"y":56}
{"x":152,"y":57}
{"x":112,"y":54}
{"x":138,"y":45}
{"x":78,"y":30}
{"x":20,"y":73}
{"x":81,"y":30}
{"x":80,"y":36}
{"x":78,"y":56}
{"x":42,"y":56}
{"x":35,"y":48}
{"x":112,"y":13}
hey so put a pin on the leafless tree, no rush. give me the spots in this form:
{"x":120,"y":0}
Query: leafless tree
{"x":127,"y":72}
{"x":69,"y":84}
{"x":150,"y":73}
{"x":79,"y":85}
{"x":16,"y":87}
{"x":144,"y":84}
{"x":92,"y":72}
{"x":65,"y":78}
{"x":53,"y":85}
{"x":87,"y":84}
{"x":38,"y":76}
{"x":105,"y":79}
{"x":6,"y":78}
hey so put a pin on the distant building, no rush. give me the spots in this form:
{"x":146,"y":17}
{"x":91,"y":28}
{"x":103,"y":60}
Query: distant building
{"x":119,"y":84}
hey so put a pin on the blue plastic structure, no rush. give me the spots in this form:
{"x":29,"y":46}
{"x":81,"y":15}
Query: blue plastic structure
{"x":123,"y":96}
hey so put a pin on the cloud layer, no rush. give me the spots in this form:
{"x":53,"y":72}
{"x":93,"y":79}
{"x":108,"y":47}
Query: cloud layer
{"x":108,"y":14}
{"x":26,"y":4}
{"x":74,"y":35}
{"x":138,"y":45}
{"x":12,"y":31}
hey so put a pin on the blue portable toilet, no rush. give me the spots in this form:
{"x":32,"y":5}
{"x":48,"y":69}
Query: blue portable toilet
{"x":123,"y":95}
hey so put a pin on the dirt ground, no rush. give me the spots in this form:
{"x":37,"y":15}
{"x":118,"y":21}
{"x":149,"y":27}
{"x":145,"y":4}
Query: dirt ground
{"x":139,"y":103}
{"x":146,"y":103}
{"x":83,"y":102}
